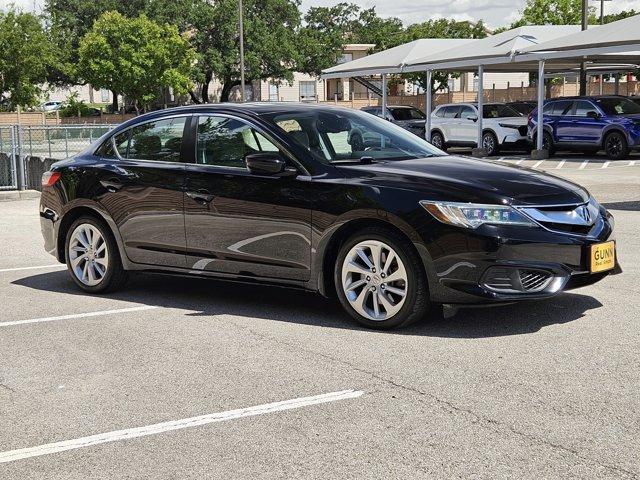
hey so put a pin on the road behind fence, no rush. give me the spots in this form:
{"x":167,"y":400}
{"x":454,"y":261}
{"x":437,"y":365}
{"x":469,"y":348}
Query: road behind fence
{"x":26,"y":152}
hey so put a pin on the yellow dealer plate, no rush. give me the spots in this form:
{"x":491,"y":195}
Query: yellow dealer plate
{"x":603,"y":256}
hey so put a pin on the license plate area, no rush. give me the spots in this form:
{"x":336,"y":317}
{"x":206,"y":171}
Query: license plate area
{"x":602,"y":257}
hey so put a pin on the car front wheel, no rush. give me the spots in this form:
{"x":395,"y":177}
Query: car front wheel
{"x":379,"y":280}
{"x":437,"y":140}
{"x":615,"y":146}
{"x":92,"y":256}
{"x":490,"y":143}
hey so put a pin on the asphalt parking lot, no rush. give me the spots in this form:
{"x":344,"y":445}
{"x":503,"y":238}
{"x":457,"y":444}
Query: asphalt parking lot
{"x":175,"y":378}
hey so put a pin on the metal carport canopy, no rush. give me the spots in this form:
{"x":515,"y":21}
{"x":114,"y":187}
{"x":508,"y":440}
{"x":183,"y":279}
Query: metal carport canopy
{"x":393,"y":59}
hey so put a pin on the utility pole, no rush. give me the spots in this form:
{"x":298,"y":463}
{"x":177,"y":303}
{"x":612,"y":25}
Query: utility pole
{"x":241,"y":27}
{"x":583,"y":70}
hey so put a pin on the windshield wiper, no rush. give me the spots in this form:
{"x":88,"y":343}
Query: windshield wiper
{"x":362,"y":160}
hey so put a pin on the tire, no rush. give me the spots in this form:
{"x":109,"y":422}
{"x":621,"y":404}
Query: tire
{"x":490,"y":143}
{"x":547,"y":143}
{"x":437,"y":140}
{"x":616,"y":146}
{"x":96,"y":269}
{"x":394,"y":309}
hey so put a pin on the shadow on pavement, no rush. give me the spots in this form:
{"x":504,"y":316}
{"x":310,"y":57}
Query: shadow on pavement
{"x":631,"y":206}
{"x":209,"y":298}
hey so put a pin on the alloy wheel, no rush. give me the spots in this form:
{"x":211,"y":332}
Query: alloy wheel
{"x":88,"y":254}
{"x":436,"y":140}
{"x":614,"y":145}
{"x":489,"y":143}
{"x":374,"y":280}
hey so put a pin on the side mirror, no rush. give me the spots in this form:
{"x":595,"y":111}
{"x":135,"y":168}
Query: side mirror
{"x":265,"y":163}
{"x":472,"y":117}
{"x":593,"y":114}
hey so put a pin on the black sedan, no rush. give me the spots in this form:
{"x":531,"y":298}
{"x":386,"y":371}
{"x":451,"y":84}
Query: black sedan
{"x":282,"y":194}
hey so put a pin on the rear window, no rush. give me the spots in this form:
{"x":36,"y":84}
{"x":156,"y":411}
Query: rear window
{"x":562,"y":107}
{"x":499,"y":111}
{"x":407,"y":114}
{"x":451,"y":111}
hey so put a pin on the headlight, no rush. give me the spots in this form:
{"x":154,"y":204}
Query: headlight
{"x":472,"y":215}
{"x":508,"y":125}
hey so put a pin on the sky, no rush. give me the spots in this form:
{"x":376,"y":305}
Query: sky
{"x":496,"y":13}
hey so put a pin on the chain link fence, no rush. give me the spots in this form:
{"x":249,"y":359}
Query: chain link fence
{"x":26,"y":152}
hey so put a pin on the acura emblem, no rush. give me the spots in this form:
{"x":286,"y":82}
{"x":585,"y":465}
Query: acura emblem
{"x":584,"y":213}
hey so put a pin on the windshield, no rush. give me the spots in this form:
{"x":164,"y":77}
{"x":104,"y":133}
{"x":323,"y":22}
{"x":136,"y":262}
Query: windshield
{"x":407,"y":114}
{"x":617,"y":106}
{"x":342,"y":135}
{"x":499,"y":111}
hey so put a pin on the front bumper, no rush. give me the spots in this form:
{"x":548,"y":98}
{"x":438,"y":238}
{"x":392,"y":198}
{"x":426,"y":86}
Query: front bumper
{"x":514,"y":141}
{"x":472,"y":266}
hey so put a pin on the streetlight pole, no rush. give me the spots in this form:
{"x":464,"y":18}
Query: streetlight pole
{"x":241,"y":27}
{"x":583,"y":70}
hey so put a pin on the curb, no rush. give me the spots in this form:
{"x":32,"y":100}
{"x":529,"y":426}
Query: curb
{"x":15,"y":195}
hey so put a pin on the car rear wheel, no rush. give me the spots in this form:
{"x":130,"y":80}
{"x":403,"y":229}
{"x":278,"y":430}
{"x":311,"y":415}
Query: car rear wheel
{"x":615,"y":146}
{"x":92,"y":256}
{"x":379,"y":280}
{"x":490,"y":143}
{"x":437,"y":140}
{"x":547,"y":143}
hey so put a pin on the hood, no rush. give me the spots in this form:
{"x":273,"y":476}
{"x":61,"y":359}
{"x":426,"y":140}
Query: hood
{"x":464,"y":179}
{"x":508,"y":120}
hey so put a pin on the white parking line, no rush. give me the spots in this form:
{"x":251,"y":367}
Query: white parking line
{"x":583,"y":164}
{"x":561,"y":164}
{"x":605,"y":164}
{"x":520,"y":161}
{"x":632,"y":163}
{"x":78,"y":315}
{"x":49,"y":448}
{"x":537,"y":164}
{"x":55,"y":265}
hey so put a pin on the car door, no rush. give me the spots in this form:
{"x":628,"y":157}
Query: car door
{"x":562,"y":122}
{"x":586,"y":127}
{"x":240,"y":223}
{"x":468,"y":127}
{"x":143,"y":176}
{"x":451,"y":122}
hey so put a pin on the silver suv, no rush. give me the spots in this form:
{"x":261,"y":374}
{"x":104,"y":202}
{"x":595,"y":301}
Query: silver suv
{"x":455,"y":125}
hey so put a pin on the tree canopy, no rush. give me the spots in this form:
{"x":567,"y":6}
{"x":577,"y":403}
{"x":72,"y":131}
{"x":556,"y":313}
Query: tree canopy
{"x":135,"y":56}
{"x":27,"y":56}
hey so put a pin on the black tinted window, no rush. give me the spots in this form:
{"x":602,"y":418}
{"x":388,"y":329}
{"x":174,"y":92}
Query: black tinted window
{"x":582,"y":107}
{"x":407,"y":114}
{"x":160,"y":140}
{"x":225,"y":142}
{"x":115,"y":143}
{"x":548,"y":108}
{"x":562,"y":107}
{"x":618,"y":106}
{"x":499,"y":111}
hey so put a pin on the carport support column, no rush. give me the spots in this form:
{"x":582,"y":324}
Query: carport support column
{"x":384,"y":95}
{"x":428,"y":106}
{"x":479,"y":151}
{"x":539,"y":153}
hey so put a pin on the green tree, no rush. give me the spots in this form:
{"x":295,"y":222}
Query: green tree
{"x":135,"y":57}
{"x":271,"y":51}
{"x":552,"y":12}
{"x":613,"y":17}
{"x":27,"y":56}
{"x":70,"y":20}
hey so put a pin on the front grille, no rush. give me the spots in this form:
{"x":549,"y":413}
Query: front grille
{"x":578,"y":219}
{"x":522,"y":130}
{"x":516,"y":280}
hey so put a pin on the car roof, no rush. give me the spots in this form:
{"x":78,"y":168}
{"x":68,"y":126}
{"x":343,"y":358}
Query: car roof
{"x":586,"y":97}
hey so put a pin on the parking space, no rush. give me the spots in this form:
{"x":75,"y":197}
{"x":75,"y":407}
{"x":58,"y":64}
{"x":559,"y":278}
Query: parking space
{"x":239,"y":381}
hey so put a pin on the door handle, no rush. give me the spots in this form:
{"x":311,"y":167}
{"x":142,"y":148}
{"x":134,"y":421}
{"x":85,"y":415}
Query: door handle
{"x":201,"y":196}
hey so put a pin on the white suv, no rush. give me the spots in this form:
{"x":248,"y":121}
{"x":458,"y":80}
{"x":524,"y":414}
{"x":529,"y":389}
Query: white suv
{"x":455,"y":125}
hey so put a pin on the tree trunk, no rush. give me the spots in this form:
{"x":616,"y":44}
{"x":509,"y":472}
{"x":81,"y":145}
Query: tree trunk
{"x":205,"y":87}
{"x":114,"y":104}
{"x":194,"y":97}
{"x":226,"y":89}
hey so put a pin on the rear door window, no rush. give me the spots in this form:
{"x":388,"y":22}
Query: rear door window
{"x":562,"y":107}
{"x":451,"y":111}
{"x":582,"y":107}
